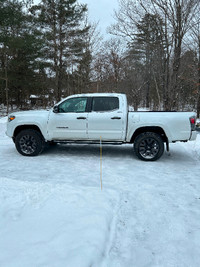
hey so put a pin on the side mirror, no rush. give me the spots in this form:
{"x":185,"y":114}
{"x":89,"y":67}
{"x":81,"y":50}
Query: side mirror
{"x":55,"y":109}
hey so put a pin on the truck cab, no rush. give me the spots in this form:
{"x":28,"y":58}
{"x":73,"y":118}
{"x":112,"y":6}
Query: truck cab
{"x":89,"y":117}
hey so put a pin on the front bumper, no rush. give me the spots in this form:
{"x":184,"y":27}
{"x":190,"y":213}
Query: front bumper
{"x":10,"y":129}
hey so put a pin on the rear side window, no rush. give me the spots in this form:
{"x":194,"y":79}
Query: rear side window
{"x":105,"y":103}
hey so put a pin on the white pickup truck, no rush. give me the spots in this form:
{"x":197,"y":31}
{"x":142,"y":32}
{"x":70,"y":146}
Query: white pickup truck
{"x":93,"y":117}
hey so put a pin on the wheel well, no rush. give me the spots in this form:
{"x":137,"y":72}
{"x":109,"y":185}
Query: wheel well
{"x":157,"y":130}
{"x":25,"y":127}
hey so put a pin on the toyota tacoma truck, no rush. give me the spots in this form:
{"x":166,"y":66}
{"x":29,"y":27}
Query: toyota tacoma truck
{"x":93,"y":117}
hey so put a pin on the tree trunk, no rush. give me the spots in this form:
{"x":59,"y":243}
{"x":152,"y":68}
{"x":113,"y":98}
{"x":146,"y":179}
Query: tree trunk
{"x":198,"y":101}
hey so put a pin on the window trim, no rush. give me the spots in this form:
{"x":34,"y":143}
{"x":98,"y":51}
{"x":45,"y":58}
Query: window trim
{"x":86,"y":108}
{"x":103,"y":111}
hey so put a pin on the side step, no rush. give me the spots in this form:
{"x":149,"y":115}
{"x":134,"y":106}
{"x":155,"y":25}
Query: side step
{"x":96,"y":142}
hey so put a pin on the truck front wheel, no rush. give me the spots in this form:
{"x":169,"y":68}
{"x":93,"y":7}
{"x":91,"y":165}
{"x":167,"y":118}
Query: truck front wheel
{"x":148,"y":146}
{"x":29,"y":142}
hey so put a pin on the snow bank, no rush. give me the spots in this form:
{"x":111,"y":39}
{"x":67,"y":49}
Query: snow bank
{"x":53,"y":225}
{"x":193,"y":147}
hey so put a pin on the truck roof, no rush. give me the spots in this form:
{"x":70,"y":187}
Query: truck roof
{"x":96,"y":94}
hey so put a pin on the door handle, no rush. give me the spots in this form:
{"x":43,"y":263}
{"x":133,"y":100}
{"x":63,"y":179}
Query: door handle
{"x":81,"y":118}
{"x":116,"y":118}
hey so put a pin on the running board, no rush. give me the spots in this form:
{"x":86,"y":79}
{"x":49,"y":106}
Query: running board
{"x":87,"y":142}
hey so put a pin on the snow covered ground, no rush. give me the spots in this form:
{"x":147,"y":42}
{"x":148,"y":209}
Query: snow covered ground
{"x":54,"y":214}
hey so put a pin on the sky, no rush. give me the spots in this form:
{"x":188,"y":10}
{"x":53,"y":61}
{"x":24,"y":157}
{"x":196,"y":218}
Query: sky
{"x":101,"y":11}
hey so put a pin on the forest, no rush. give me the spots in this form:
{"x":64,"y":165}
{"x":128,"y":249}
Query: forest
{"x":51,"y":50}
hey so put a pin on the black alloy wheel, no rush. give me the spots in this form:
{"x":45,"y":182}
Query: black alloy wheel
{"x":149,"y":146}
{"x":29,"y":142}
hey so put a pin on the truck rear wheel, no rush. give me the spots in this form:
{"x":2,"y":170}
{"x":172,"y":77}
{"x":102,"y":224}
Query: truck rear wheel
{"x":148,"y":146}
{"x":29,"y":142}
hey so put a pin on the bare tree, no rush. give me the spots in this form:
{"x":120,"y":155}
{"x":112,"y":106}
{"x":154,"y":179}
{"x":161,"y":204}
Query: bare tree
{"x":164,"y":78}
{"x":194,"y":44}
{"x":179,"y":15}
{"x":127,"y":17}
{"x":108,"y":66}
{"x":144,"y":31}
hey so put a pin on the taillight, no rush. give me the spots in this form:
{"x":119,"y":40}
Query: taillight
{"x":193,"y":122}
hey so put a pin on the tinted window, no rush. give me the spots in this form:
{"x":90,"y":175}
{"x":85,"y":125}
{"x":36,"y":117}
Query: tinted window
{"x":105,"y":103}
{"x":77,"y":104}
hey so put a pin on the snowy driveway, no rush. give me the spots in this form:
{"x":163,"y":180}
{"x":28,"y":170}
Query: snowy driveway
{"x":53,"y":213}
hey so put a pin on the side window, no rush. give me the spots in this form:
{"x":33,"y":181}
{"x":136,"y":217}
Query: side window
{"x":105,"y":104}
{"x":75,"y":105}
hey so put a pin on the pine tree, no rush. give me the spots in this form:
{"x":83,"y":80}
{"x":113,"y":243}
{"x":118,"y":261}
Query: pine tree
{"x":61,"y":24}
{"x":148,"y":48}
{"x":19,"y":51}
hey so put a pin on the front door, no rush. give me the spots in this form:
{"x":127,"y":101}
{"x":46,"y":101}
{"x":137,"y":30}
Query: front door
{"x":70,"y":122}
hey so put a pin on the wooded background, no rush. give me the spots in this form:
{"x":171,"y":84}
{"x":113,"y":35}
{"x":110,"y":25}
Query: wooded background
{"x":51,"y":50}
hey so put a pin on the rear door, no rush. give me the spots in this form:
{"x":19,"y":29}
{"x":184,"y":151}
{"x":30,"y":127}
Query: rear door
{"x":106,"y":119}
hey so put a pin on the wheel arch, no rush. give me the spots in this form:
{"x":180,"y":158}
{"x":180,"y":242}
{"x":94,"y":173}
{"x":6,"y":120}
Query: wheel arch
{"x":154,"y":129}
{"x":20,"y":128}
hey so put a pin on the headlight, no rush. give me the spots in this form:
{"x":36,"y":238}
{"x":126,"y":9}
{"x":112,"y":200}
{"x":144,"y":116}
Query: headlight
{"x":11,"y":118}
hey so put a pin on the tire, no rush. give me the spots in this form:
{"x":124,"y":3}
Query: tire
{"x":148,"y":146}
{"x":29,"y":143}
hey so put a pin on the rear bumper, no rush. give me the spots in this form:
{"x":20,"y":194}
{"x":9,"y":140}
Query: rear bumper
{"x":193,"y":136}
